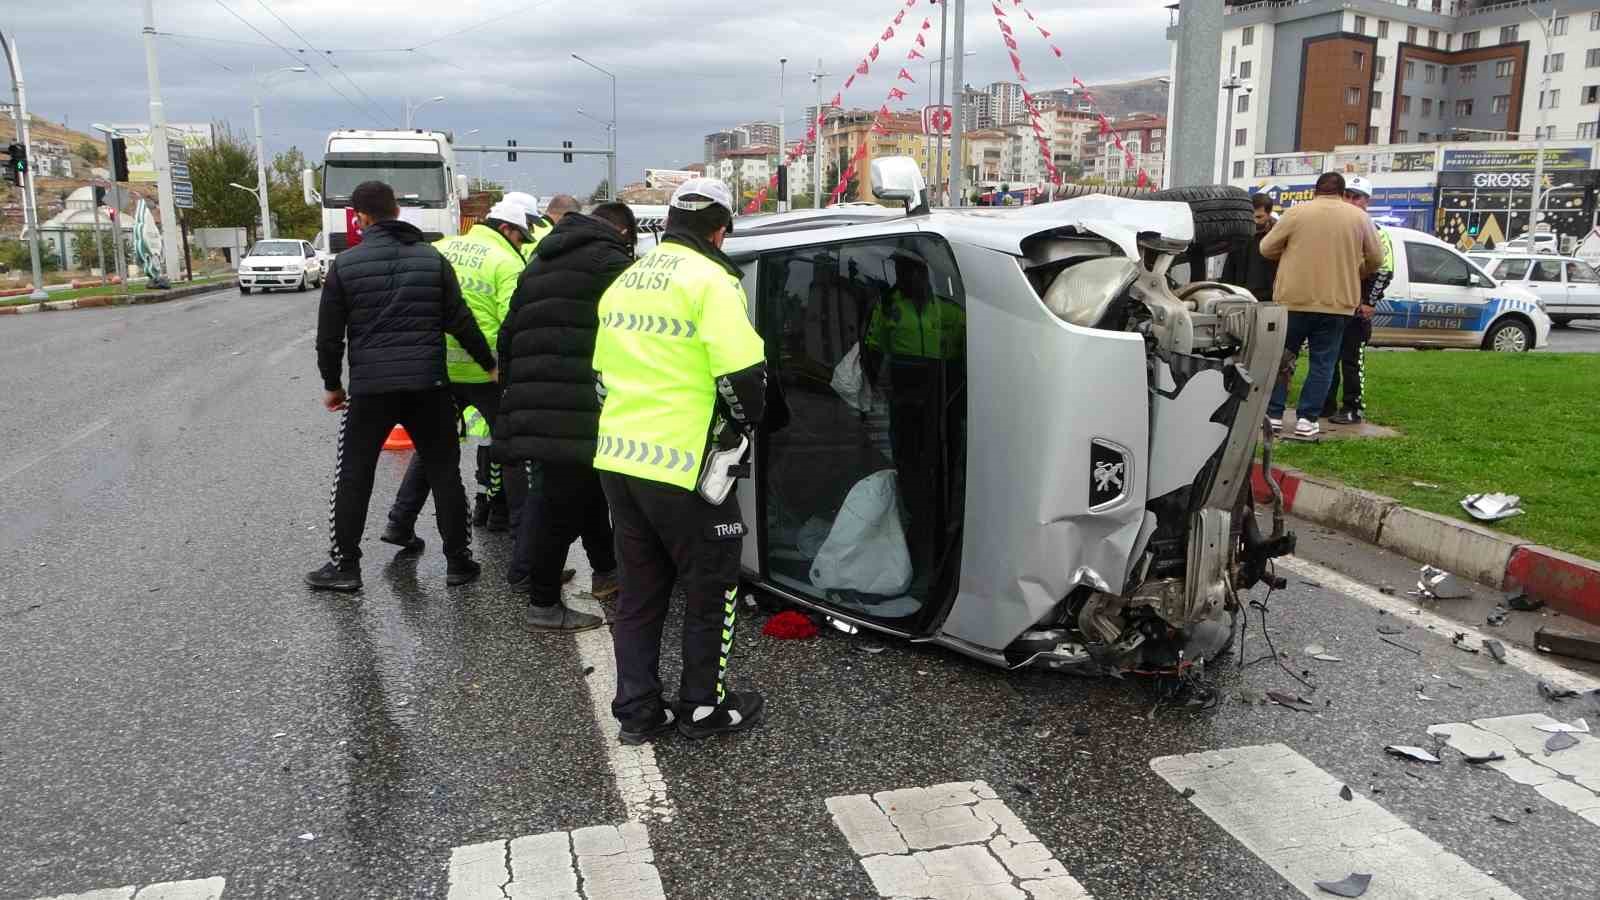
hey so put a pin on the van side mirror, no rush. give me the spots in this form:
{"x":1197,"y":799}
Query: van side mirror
{"x":897,"y":178}
{"x":308,"y":187}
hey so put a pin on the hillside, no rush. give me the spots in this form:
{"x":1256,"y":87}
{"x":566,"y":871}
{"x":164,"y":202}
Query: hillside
{"x":48,"y":140}
{"x":1147,"y":95}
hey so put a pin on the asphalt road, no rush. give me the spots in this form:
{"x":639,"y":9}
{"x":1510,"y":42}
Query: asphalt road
{"x":175,"y":705}
{"x":1578,"y":337}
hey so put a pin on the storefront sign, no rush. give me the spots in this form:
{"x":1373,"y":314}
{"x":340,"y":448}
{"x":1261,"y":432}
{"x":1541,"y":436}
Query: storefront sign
{"x":1515,"y":180}
{"x":1288,"y":195}
{"x":1298,"y":164}
{"x":1384,"y":162}
{"x":1560,"y":158}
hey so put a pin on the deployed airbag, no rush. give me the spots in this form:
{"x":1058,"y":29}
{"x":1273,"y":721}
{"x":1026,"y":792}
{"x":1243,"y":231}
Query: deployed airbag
{"x":866,"y":548}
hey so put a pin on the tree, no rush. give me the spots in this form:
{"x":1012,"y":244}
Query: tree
{"x":83,"y":247}
{"x":291,"y":217}
{"x":230,"y":159}
{"x":91,"y":153}
{"x":16,"y":256}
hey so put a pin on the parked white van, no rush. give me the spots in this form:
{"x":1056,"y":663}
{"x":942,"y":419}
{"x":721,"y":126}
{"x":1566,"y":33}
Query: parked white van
{"x":1439,"y":298}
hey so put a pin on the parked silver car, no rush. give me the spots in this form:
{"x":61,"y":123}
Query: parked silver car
{"x":1007,"y":431}
{"x":1568,"y":286}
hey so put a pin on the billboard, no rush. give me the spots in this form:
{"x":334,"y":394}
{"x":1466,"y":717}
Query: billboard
{"x":667,"y":178}
{"x":141,"y":159}
{"x":1297,"y":164}
{"x":1555,"y":158}
{"x":1384,"y":162}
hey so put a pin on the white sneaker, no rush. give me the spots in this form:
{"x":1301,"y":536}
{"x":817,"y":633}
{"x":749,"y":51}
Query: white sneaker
{"x":1306,"y":428}
{"x":1277,"y":424}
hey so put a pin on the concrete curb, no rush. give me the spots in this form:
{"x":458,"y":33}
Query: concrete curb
{"x":139,"y":299}
{"x":1568,"y":583}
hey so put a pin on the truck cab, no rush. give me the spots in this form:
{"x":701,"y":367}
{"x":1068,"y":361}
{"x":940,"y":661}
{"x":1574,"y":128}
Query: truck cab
{"x":419,"y":165}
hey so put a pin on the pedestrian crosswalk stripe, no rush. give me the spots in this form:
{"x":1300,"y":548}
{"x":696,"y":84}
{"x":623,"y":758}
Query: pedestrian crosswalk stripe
{"x":199,"y":889}
{"x":1568,"y":778}
{"x":949,"y":840}
{"x":599,"y":863}
{"x":1288,"y":812}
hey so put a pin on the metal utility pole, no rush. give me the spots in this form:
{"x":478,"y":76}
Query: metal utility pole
{"x":1192,"y":144}
{"x":1231,"y":85}
{"x":1538,"y":135}
{"x":158,"y":146}
{"x":940,"y":173}
{"x":30,"y":204}
{"x":116,"y":200}
{"x":611,"y":162}
{"x":411,"y":111}
{"x":783,"y":143}
{"x":99,"y":248}
{"x":816,"y":147}
{"x":957,"y":156}
{"x":261,"y":150}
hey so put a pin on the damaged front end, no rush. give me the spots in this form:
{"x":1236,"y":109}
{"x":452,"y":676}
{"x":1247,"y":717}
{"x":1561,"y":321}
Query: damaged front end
{"x":1211,"y":354}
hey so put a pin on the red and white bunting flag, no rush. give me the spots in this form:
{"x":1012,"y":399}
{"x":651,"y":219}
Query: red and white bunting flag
{"x":896,"y":94}
{"x":899,"y":17}
{"x":1056,"y":50}
{"x":1144,"y":180}
{"x":914,"y":54}
{"x":922,"y":40}
{"x":998,"y":11}
{"x":888,"y":33}
{"x":926,"y":24}
{"x":1078,"y":84}
{"x":1004,"y":28}
{"x":861,"y":69}
{"x":877,"y":128}
{"x":1043,"y":33}
{"x":882,"y":112}
{"x":1030,"y":15}
{"x":873,"y":53}
{"x":1009,"y":41}
{"x":905,"y":76}
{"x":851,"y":80}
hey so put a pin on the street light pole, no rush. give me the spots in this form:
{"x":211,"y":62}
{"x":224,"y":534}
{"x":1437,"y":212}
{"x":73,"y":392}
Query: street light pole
{"x":957,"y":160}
{"x":158,"y":143}
{"x":1538,"y":158}
{"x":30,"y":203}
{"x":816,"y":147}
{"x":942,"y":173}
{"x":783,"y":143}
{"x":611,"y":161}
{"x":411,"y":111}
{"x":261,"y":149}
{"x":116,"y":201}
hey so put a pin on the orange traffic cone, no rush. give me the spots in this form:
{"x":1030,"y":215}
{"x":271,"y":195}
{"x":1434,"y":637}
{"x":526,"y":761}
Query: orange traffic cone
{"x":398,"y":440}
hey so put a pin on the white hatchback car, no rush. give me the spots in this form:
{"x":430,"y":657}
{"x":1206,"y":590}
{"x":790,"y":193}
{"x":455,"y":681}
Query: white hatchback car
{"x":1569,"y":287}
{"x":280,"y":264}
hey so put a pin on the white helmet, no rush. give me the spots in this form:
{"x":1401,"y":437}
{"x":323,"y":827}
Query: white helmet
{"x":512,"y":212}
{"x":1355,"y":184}
{"x":528,"y":200}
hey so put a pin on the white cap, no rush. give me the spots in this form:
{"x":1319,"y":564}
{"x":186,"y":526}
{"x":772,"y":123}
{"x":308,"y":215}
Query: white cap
{"x":1358,"y":185}
{"x":511,"y":212}
{"x":711,"y":188}
{"x":526,"y":199}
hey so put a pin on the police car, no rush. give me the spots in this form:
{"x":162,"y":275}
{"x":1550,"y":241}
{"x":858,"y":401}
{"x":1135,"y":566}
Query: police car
{"x":1439,"y":298}
{"x":1005,"y":430}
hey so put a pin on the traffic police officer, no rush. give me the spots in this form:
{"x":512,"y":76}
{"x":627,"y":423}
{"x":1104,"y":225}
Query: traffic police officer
{"x":536,"y":221}
{"x":1352,"y":368}
{"x":677,"y":360}
{"x":487,"y":261}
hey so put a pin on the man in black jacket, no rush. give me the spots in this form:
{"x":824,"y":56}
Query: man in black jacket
{"x":550,"y":413}
{"x":1246,"y":267}
{"x":396,"y":297}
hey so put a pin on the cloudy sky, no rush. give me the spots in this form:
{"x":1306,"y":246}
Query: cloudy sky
{"x":683,"y":69}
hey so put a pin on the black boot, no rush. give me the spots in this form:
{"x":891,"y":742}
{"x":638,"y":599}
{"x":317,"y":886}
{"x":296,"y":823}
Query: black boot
{"x":739,"y":711}
{"x":404,"y":538}
{"x":461,"y":570}
{"x":333,"y":577}
{"x":499,"y":514}
{"x":480,"y":510}
{"x":639,"y":732}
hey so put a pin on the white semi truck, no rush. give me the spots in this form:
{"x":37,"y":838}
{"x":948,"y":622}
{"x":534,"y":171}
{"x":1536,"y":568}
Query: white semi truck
{"x":419,"y":165}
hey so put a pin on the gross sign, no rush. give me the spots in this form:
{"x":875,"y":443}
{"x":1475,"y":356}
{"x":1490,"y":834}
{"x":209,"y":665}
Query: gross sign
{"x":937,"y":120}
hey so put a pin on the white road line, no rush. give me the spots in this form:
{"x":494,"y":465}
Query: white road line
{"x":287,"y":350}
{"x":1568,"y":778}
{"x":76,"y":437}
{"x":599,"y":863}
{"x":202,"y":889}
{"x":954,"y":841}
{"x":1289,"y":813}
{"x":1401,"y":608}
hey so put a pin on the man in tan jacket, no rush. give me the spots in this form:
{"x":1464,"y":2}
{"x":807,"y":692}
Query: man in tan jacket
{"x":1324,"y":248}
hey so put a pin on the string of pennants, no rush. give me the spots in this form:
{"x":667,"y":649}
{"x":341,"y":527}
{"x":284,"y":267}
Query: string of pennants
{"x":1009,"y":38}
{"x":863,"y":68}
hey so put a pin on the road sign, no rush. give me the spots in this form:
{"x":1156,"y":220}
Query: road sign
{"x":937,"y":119}
{"x":180,"y":170}
{"x":177,"y":152}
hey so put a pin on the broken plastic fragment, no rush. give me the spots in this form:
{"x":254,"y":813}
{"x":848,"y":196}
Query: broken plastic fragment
{"x":1559,"y":741}
{"x":1315,"y":650}
{"x":1346,"y":794}
{"x":1323,"y":657}
{"x":1577,"y":726}
{"x":1187,"y":793}
{"x":1503,"y":817}
{"x":308,"y":836}
{"x":1492,"y":507}
{"x":1491,"y":756}
{"x":1497,"y":616}
{"x":1391,"y":629}
{"x":1353,"y":885}
{"x":1292,"y":702}
{"x":1553,"y":693}
{"x":1416,"y":753}
{"x":1425,"y":484}
{"x":1437,"y":584}
{"x":1460,"y":642}
{"x":1496,"y":650}
{"x":1520,"y":601}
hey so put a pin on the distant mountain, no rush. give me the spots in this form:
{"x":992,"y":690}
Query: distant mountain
{"x":1124,"y":98}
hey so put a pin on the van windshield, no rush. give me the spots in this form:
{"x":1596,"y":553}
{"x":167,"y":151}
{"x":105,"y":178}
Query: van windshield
{"x":417,"y":180}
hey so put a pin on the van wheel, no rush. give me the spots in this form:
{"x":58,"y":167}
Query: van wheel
{"x":1509,"y":336}
{"x":244,"y":290}
{"x":1222,"y":214}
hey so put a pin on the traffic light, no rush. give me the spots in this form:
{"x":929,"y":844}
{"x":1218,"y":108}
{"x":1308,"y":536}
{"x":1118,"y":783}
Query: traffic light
{"x":99,"y":196}
{"x":566,"y":157}
{"x":783,"y":182}
{"x":16,"y":163}
{"x":119,"y":160}
{"x":511,"y":155}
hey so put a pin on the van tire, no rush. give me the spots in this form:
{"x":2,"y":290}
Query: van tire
{"x":1504,"y":337}
{"x":1222,"y":214}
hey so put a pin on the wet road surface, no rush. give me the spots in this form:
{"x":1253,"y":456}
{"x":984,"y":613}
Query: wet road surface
{"x":177,"y":707}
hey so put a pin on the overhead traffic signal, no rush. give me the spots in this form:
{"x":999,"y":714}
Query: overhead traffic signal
{"x":119,"y":159}
{"x":16,"y":163}
{"x":566,"y":157}
{"x":511,"y":155}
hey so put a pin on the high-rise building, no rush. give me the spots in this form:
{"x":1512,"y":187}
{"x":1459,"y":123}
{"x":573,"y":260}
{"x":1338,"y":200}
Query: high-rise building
{"x":1006,"y":104}
{"x":976,"y":110}
{"x":764,"y":134}
{"x":719,"y":143}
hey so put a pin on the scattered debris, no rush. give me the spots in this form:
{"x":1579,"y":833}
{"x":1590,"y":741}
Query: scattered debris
{"x":1315,"y":650}
{"x":1492,"y":507}
{"x":1416,"y":753}
{"x":1415,"y":775}
{"x":1187,"y":793}
{"x":1346,"y":794}
{"x":873,"y":649}
{"x":1459,"y":641}
{"x":790,"y":625}
{"x":1497,"y":616}
{"x":1391,"y":629}
{"x":1552,"y":693}
{"x":588,"y":670}
{"x":1386,"y":590}
{"x":1424,"y":697}
{"x":1296,"y":703}
{"x":1479,"y":674}
{"x":1491,"y":756}
{"x":922,"y":671}
{"x":1251,"y":697}
{"x":1406,"y":647}
{"x":308,"y":836}
{"x":1496,"y":650}
{"x":1353,"y":885}
{"x":1504,"y":818}
{"x":1437,"y":584}
{"x":1080,"y":729}
{"x":1520,"y":601}
{"x":1023,"y":789}
{"x":1567,"y":643}
{"x":1324,"y":657}
{"x":1558,"y":742}
{"x":1577,"y":726}
{"x":1425,"y":485}
{"x":280,"y":734}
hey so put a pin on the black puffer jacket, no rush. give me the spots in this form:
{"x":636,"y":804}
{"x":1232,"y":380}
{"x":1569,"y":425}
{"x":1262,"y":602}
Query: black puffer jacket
{"x":550,"y":411}
{"x":397,"y":296}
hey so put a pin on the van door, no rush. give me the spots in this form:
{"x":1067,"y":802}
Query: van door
{"x":1449,"y":297}
{"x":1583,"y":291}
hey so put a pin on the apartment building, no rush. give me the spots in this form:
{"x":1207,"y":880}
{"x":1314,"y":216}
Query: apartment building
{"x":1143,"y":135}
{"x":1315,"y":74}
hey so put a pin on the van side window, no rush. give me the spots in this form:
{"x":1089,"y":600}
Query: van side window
{"x":1581,"y":273}
{"x":1548,"y":270}
{"x":1512,"y":269}
{"x":1436,"y":265}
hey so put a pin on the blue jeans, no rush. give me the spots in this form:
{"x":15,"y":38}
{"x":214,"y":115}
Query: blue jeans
{"x":1323,"y":332}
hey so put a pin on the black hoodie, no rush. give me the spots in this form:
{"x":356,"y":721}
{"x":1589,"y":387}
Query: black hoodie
{"x":550,"y":411}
